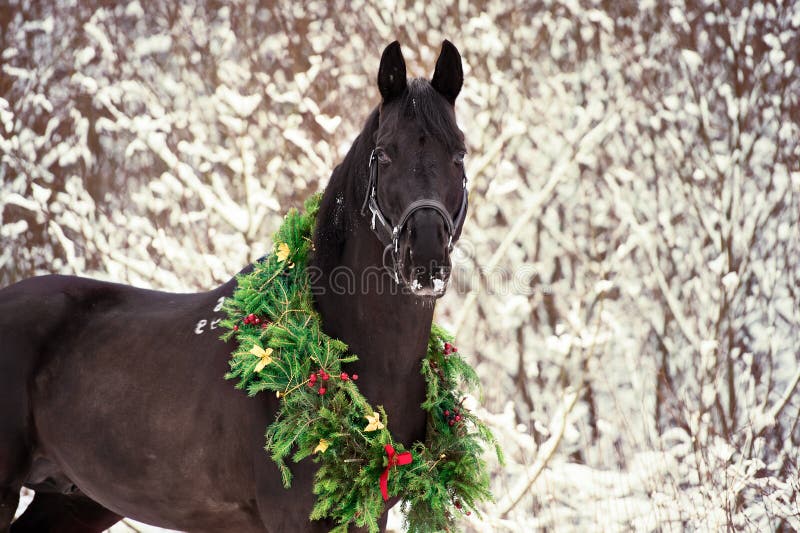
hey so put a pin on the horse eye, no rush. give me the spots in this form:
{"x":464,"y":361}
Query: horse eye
{"x":383,"y":158}
{"x":458,"y":159}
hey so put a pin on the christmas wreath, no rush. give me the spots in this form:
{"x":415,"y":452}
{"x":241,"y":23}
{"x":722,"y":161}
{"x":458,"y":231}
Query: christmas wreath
{"x":282,"y":348}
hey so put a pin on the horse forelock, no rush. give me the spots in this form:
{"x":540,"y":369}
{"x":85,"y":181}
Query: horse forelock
{"x":432,"y":113}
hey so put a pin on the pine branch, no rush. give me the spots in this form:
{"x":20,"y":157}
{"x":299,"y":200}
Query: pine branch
{"x":323,"y":416}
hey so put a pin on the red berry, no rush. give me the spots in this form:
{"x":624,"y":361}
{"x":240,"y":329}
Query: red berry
{"x":264,"y":325}
{"x":257,"y":320}
{"x":450,"y":423}
{"x":447,"y":413}
{"x":344,"y":376}
{"x":458,"y":418}
{"x":312,"y":378}
{"x":311,"y":384}
{"x":235,"y":328}
{"x":325,"y":377}
{"x":447,"y":347}
{"x":469,"y":513}
{"x":322,"y":390}
{"x":355,"y":377}
{"x":458,"y":505}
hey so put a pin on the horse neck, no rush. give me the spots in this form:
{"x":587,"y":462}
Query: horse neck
{"x":385,"y":327}
{"x":366,"y":304}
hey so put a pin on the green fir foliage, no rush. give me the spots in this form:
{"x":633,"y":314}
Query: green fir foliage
{"x":272,"y":308}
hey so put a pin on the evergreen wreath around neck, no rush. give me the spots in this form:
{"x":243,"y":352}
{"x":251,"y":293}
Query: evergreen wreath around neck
{"x":281,"y":348}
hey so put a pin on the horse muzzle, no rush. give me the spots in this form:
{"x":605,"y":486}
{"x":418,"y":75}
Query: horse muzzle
{"x":424,"y":252}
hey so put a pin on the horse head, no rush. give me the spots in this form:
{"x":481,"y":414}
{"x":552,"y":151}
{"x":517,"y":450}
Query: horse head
{"x":417,"y":194}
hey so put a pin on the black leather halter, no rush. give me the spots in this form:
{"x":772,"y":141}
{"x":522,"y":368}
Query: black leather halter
{"x":390,"y":235}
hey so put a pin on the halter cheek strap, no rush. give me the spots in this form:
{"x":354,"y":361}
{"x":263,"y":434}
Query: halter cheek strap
{"x":390,"y":235}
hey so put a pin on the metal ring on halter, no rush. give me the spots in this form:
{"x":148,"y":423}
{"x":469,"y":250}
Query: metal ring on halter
{"x":396,"y":267}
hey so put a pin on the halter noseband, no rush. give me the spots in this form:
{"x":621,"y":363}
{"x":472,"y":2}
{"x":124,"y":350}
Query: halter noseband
{"x":390,"y":235}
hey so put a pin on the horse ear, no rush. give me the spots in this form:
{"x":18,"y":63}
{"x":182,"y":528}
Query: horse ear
{"x":392,"y":72}
{"x":448,"y":76}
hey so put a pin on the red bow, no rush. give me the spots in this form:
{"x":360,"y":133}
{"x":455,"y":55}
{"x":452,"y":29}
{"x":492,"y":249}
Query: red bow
{"x":395,"y":459}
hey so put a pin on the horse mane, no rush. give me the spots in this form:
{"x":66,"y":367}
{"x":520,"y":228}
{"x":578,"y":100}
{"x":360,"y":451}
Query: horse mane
{"x":341,"y":203}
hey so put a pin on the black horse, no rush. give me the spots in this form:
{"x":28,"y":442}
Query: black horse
{"x":112,"y":398}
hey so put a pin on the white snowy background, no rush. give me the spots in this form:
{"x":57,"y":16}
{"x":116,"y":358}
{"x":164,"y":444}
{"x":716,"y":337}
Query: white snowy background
{"x":628,"y":278}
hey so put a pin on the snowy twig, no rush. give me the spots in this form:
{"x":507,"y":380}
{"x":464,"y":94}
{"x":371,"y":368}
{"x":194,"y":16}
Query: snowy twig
{"x":645,"y":242}
{"x":131,"y":526}
{"x":66,"y":244}
{"x":477,"y":169}
{"x":214,"y":198}
{"x":546,"y":453}
{"x":522,"y":222}
{"x":549,"y":448}
{"x":590,"y":138}
{"x":776,"y":410}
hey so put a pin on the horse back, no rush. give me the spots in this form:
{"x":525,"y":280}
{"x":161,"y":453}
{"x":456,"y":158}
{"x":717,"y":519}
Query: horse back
{"x":43,"y":313}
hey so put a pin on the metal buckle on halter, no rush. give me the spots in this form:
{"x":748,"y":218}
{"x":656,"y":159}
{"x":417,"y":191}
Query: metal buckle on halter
{"x":396,"y":238}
